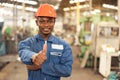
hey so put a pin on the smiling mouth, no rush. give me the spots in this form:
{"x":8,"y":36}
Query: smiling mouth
{"x":46,"y":29}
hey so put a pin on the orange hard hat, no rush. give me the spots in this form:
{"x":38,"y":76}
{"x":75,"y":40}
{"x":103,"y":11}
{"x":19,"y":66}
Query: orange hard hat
{"x":46,"y":10}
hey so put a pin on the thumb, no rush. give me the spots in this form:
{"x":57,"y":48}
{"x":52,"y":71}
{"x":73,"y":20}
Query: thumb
{"x":45,"y":48}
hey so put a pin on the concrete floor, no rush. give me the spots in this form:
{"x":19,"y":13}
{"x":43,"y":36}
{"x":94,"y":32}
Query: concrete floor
{"x":16,"y":70}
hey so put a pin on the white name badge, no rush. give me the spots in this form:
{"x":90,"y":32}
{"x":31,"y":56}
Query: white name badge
{"x":56,"y":46}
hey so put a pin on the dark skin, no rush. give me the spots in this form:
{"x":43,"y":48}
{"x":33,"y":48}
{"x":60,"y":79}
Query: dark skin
{"x":46,"y":25}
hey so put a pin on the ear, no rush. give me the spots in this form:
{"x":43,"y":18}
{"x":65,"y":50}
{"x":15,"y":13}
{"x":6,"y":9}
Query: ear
{"x":36,"y":22}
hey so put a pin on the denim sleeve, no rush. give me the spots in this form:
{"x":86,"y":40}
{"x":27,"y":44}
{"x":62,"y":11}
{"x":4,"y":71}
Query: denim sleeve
{"x":64,"y":68}
{"x":25,"y":52}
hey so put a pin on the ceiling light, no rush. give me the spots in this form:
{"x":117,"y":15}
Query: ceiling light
{"x":110,"y":6}
{"x":27,"y":2}
{"x":75,"y":1}
{"x":74,"y":7}
{"x":19,"y":7}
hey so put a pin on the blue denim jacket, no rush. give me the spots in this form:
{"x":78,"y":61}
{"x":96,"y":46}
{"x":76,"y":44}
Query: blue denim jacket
{"x":59,"y":57}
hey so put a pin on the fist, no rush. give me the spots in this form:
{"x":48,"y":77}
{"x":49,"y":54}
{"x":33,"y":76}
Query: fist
{"x":39,"y":58}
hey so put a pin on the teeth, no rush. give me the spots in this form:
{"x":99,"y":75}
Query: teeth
{"x":46,"y":29}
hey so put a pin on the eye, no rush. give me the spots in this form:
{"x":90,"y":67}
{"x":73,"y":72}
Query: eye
{"x":51,"y":21}
{"x":41,"y":21}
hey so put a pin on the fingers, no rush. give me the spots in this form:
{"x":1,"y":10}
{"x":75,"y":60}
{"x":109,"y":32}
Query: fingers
{"x":34,"y":57}
{"x":38,"y":61}
{"x":40,"y":58}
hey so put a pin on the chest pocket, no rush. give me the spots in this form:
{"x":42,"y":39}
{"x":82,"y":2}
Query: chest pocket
{"x":55,"y":56}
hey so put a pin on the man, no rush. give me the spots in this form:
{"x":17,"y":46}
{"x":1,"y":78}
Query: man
{"x":46,"y":57}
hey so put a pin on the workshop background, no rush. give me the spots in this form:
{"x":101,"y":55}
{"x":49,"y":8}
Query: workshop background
{"x":91,"y":27}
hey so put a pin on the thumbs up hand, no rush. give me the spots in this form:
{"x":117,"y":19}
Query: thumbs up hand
{"x":39,"y":58}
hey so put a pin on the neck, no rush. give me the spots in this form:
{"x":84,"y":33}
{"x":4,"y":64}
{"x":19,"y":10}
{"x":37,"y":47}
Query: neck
{"x":45,"y":36}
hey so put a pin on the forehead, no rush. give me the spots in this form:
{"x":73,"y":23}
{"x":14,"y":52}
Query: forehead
{"x":45,"y":18}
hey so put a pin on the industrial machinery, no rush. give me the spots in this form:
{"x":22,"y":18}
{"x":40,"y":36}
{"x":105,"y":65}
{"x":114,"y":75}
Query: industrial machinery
{"x":106,"y":46}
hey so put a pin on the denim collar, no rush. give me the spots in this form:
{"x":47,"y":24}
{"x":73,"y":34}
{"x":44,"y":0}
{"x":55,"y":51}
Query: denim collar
{"x":50,"y":39}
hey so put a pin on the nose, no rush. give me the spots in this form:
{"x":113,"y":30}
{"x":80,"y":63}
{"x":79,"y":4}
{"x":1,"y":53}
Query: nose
{"x":46,"y":23}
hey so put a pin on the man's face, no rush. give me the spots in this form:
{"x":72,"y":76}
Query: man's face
{"x":45,"y":25}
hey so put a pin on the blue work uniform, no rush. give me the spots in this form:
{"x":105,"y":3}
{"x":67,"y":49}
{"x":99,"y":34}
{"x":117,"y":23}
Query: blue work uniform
{"x":59,"y":57}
